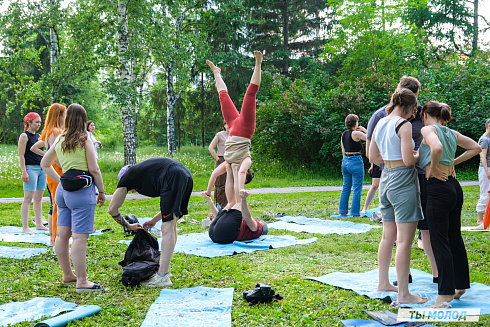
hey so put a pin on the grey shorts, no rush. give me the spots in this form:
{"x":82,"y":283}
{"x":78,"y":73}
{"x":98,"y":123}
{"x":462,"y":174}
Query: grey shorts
{"x":399,"y":195}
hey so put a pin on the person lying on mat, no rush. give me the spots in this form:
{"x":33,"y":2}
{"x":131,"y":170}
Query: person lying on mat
{"x":234,"y":222}
{"x":157,"y":177}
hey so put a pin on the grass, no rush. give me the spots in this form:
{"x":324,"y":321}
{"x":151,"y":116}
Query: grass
{"x":268,"y":172}
{"x":305,"y":303}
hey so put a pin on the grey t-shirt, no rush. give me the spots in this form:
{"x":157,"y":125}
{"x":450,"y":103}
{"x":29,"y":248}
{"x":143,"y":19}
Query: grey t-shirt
{"x":484,"y":143}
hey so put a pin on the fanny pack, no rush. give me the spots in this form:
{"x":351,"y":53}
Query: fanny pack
{"x":76,"y":179}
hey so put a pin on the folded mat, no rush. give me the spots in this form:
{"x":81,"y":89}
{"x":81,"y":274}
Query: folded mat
{"x":367,"y":214}
{"x":320,"y":226}
{"x":200,"y":244}
{"x":38,"y":307}
{"x":20,"y":253}
{"x":198,"y":306}
{"x":14,"y":234}
{"x":371,"y":323}
{"x":478,"y":296}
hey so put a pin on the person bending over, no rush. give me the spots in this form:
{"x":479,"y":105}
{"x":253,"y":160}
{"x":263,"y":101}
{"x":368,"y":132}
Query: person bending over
{"x":157,"y":177}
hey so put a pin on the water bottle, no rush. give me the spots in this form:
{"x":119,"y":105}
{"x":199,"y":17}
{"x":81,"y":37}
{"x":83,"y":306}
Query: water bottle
{"x":218,"y":207}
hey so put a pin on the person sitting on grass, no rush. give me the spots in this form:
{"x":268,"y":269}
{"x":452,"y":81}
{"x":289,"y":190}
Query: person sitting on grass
{"x":242,"y":125}
{"x":157,"y":177}
{"x":234,"y":222}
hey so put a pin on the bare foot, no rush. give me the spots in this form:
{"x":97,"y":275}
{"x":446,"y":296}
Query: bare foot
{"x":387,"y":288}
{"x":214,"y":69}
{"x":410,"y":298}
{"x":441,"y":299}
{"x":28,"y":231}
{"x":258,"y":57}
{"x":42,"y":227}
{"x":363,"y":212}
{"x":69,"y":280}
{"x":420,"y":245}
{"x":459,"y":293}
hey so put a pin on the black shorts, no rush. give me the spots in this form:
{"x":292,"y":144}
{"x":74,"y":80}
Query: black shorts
{"x":376,"y":172}
{"x":224,"y":229}
{"x":176,"y":192}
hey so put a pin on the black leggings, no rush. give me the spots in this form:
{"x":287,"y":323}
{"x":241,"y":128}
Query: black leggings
{"x":444,"y":203}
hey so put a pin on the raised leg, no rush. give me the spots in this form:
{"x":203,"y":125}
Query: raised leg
{"x":220,"y":84}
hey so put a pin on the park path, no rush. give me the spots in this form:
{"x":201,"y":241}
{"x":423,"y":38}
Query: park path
{"x":294,"y":189}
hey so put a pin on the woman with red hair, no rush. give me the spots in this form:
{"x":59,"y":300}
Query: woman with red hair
{"x":33,"y":176}
{"x":54,"y":125}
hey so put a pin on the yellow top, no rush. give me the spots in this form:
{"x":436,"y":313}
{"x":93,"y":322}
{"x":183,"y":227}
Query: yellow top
{"x":71,"y":160}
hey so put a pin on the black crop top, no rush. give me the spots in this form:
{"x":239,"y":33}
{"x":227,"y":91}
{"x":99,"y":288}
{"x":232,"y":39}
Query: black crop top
{"x":32,"y":158}
{"x":349,"y":144}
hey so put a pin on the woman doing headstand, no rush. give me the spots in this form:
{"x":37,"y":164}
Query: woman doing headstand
{"x":242,"y":125}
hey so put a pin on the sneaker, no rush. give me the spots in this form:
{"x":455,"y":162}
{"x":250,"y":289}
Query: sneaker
{"x":376,"y":216}
{"x":156,"y":281}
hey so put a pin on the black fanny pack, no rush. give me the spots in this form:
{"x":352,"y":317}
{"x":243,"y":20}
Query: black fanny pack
{"x":76,"y":179}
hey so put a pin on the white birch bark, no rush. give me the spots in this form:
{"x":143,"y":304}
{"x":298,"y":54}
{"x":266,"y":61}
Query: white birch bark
{"x":53,"y":45}
{"x":125,"y":79}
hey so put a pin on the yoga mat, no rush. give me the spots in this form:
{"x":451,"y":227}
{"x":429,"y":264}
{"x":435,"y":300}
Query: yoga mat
{"x":34,"y":309}
{"x":320,"y":226}
{"x":476,"y":297}
{"x":200,"y":244}
{"x":371,"y":323}
{"x":14,"y":234}
{"x":197,"y":306}
{"x":367,"y":214}
{"x":80,"y":312}
{"x":15,"y":252}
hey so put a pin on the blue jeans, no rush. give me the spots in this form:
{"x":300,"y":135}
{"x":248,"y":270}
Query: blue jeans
{"x":353,"y":172}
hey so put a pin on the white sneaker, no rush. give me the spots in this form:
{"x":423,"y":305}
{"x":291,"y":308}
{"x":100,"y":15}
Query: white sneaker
{"x":156,"y":281}
{"x":376,"y":216}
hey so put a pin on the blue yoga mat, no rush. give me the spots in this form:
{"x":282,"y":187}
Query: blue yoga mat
{"x":320,"y":226}
{"x":198,"y":306}
{"x":34,"y":309}
{"x":14,"y":234}
{"x":80,"y":312}
{"x":20,"y":253}
{"x":200,"y":244}
{"x":367,"y":214}
{"x":370,"y":323}
{"x":477,"y":297}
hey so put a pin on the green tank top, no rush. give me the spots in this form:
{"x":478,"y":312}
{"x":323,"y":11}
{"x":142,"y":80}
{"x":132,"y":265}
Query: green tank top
{"x":70,"y":160}
{"x":449,"y":143}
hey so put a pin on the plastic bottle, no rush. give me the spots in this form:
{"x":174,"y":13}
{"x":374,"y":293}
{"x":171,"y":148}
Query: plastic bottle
{"x":206,"y":222}
{"x":218,"y":207}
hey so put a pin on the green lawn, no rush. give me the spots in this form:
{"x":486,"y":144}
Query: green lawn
{"x":305,"y":303}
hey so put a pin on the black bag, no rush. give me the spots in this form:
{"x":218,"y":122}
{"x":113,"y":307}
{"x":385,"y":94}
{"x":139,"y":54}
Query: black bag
{"x":141,"y":260}
{"x":261,"y":294}
{"x":76,"y":179}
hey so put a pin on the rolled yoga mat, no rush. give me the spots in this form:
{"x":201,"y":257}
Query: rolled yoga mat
{"x":80,"y":312}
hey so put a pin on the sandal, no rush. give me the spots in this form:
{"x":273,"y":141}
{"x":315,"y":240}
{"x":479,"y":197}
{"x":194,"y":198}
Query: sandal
{"x":96,"y":287}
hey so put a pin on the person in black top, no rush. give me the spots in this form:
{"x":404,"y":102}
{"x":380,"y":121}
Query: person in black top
{"x":172,"y":182}
{"x":33,"y":176}
{"x":352,"y":166}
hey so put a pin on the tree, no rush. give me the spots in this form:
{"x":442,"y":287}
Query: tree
{"x":286,"y":28}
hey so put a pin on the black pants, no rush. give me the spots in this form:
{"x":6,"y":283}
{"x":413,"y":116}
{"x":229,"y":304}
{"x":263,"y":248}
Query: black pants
{"x":444,"y":203}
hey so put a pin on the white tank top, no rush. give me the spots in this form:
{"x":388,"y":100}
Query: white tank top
{"x":389,"y":143}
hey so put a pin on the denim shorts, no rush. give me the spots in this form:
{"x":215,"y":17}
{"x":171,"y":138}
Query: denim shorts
{"x":76,"y":209}
{"x":399,"y":195}
{"x":37,"y":178}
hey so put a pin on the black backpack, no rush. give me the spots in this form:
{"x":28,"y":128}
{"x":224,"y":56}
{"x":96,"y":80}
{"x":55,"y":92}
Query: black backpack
{"x":261,"y":294}
{"x":141,"y":260}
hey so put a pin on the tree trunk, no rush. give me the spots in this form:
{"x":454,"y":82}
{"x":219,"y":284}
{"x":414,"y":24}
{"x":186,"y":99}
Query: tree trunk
{"x":124,"y":78}
{"x":474,"y":44}
{"x":202,"y":109}
{"x":285,"y":31}
{"x":53,"y":44}
{"x":171,"y":97}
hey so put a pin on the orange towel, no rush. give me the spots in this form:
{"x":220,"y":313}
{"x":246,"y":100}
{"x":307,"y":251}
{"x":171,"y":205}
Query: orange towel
{"x":52,"y":185}
{"x":486,"y":221}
